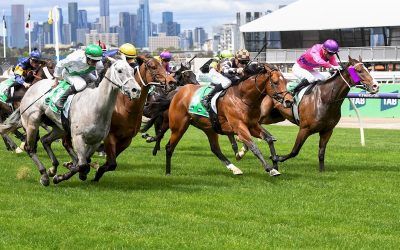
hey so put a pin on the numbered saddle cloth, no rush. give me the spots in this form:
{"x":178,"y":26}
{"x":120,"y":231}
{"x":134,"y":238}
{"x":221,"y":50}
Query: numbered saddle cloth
{"x":55,"y":94}
{"x":4,"y":86}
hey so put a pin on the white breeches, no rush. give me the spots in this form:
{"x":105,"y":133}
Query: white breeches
{"x":218,"y":78}
{"x":78,"y":82}
{"x":310,"y":75}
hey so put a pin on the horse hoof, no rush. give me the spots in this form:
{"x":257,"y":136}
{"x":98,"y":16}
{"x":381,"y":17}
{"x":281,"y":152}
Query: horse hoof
{"x":19,"y":150}
{"x":82,"y":177}
{"x":274,"y":172}
{"x":235,"y":170}
{"x":56,"y":180}
{"x":52,"y":172}
{"x":44,"y":180}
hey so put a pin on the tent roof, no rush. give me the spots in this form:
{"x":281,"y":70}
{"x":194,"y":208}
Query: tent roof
{"x":326,"y":15}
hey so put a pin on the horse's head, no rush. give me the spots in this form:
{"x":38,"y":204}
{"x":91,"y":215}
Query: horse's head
{"x":151,"y":72}
{"x":121,"y":75}
{"x":184,"y":75}
{"x":276,"y":86}
{"x":360,"y":76}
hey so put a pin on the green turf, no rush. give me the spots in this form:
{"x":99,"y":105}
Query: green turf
{"x":354,"y":204}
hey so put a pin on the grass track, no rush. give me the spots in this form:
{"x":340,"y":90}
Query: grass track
{"x":354,"y":204}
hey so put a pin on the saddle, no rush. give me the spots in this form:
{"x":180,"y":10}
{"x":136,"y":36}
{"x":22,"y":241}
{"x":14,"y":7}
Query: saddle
{"x":55,"y":94}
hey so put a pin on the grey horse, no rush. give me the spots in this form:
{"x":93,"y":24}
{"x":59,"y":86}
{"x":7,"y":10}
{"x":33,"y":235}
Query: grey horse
{"x":90,"y":118}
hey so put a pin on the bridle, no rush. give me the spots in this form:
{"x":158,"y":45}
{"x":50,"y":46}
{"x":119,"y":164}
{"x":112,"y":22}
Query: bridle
{"x":153,"y":76}
{"x":116,"y":81}
{"x":360,"y":84}
{"x":277,"y":96}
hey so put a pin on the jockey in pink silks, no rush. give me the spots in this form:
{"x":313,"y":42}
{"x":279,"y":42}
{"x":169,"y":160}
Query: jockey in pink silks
{"x":319,"y":55}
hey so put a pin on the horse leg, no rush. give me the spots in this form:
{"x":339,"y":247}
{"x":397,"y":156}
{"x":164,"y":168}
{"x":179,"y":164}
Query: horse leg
{"x":32,"y":134}
{"x":245,"y":137}
{"x":47,"y":140}
{"x":323,"y":140}
{"x":67,"y":144}
{"x":110,"y":145}
{"x":160,"y":135}
{"x":234,"y":145}
{"x":302,"y":136}
{"x":215,"y":148}
{"x":82,"y":166}
{"x":21,"y":137}
{"x":260,"y":132}
{"x":10,"y":144}
{"x":177,"y":131}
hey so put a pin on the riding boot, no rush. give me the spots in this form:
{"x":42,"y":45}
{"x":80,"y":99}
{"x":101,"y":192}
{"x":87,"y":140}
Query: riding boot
{"x":304,"y":83}
{"x":60,"y":103}
{"x":207,"y":99}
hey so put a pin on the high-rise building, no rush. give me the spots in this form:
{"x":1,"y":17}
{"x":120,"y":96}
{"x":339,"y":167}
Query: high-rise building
{"x":134,"y":28}
{"x":47,"y":33}
{"x":125,"y":24}
{"x":18,"y":26}
{"x":82,"y":19}
{"x":162,"y":42}
{"x":200,"y":36}
{"x":144,"y":24}
{"x":81,"y":35}
{"x":59,"y":27}
{"x":73,"y":19}
{"x":167,"y":17}
{"x":168,"y":25}
{"x":67,"y":37}
{"x":105,"y":15}
{"x":110,"y":39}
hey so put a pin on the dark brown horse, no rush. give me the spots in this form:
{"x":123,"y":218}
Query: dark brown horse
{"x":320,"y":109}
{"x":127,"y":116}
{"x":45,"y":70}
{"x":157,"y":104}
{"x":238,"y":113}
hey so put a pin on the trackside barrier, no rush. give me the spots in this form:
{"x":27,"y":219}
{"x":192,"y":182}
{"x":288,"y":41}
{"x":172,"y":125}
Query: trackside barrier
{"x":366,"y":96}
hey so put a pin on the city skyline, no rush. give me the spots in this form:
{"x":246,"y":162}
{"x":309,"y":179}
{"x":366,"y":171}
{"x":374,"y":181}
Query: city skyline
{"x":188,"y":14}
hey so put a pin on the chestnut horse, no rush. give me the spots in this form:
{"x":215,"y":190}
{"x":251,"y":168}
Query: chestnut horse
{"x":127,"y":116}
{"x":238,"y":113}
{"x":320,"y":109}
{"x":45,"y":70}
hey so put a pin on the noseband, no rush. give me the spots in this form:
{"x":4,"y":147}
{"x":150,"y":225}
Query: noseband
{"x":153,"y":76}
{"x":277,"y":96}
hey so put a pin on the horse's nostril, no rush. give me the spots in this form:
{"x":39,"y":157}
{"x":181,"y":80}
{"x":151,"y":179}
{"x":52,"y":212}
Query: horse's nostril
{"x":134,"y":90}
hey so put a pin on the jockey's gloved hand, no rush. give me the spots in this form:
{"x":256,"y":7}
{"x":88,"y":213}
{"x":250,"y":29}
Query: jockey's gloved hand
{"x":26,"y":85}
{"x":239,"y":70}
{"x":336,"y":67}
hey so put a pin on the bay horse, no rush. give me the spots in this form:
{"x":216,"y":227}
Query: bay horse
{"x":44,"y":71}
{"x":127,"y":115}
{"x":238,"y":113}
{"x":320,"y":109}
{"x":157,"y":104}
{"x":89,"y":124}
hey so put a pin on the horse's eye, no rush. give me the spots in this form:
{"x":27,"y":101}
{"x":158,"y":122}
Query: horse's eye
{"x":119,"y":71}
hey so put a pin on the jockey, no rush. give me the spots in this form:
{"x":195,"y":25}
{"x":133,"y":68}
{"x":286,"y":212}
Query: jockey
{"x":126,"y":49}
{"x":231,"y":70}
{"x":76,"y":68}
{"x":166,"y":57}
{"x":319,"y":55}
{"x":23,"y":67}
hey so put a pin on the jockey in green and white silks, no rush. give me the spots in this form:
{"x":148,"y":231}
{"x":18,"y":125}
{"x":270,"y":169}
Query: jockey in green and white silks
{"x":231,"y":68}
{"x":78,"y":68}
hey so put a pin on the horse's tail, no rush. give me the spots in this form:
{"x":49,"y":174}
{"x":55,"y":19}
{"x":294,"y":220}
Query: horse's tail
{"x":12,"y":123}
{"x":163,"y":104}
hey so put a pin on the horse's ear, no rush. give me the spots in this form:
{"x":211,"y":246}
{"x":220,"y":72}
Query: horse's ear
{"x":140,"y":59}
{"x":110,"y":59}
{"x":350,"y":59}
{"x":359,"y":58}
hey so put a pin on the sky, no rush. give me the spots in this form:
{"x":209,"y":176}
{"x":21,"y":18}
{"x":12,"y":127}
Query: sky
{"x":189,"y":13}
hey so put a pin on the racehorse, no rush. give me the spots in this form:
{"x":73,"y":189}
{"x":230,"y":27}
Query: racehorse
{"x":157,"y":104}
{"x":320,"y":108}
{"x":89,"y":124}
{"x":44,"y":71}
{"x":127,"y":115}
{"x":238,"y":113}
